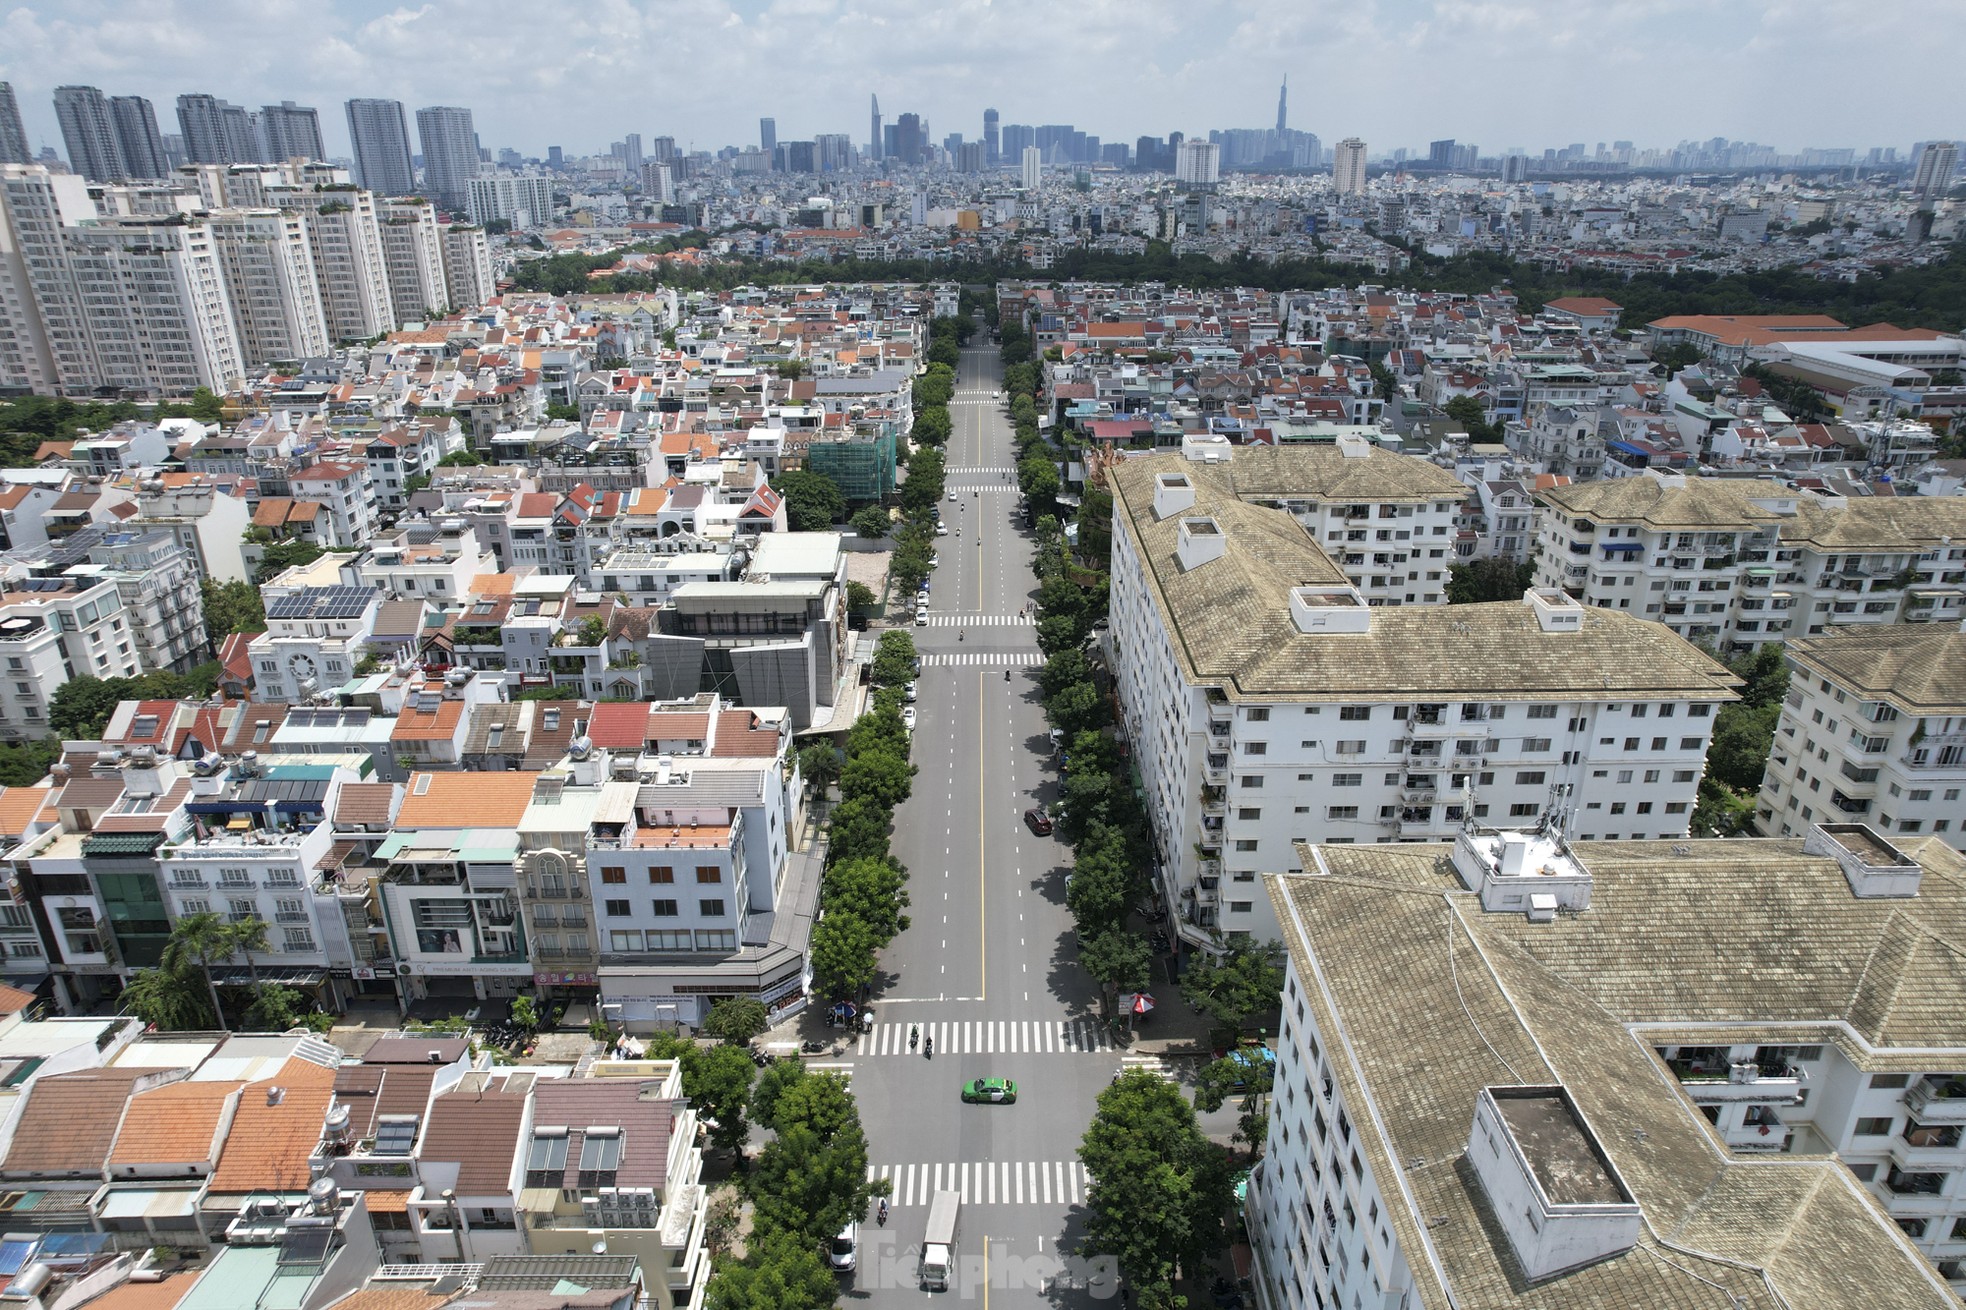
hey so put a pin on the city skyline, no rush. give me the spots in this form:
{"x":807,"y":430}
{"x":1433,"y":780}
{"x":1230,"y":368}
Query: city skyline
{"x":1621,"y":69}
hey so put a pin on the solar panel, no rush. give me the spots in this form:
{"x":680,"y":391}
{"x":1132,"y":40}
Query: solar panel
{"x":305,"y":1245}
{"x":396,"y":1134}
{"x":340,"y":602}
{"x":601,"y":1149}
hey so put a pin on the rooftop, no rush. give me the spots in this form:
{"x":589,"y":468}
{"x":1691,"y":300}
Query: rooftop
{"x":1917,"y":668}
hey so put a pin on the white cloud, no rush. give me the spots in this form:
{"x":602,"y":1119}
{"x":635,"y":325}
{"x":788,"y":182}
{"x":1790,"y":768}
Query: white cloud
{"x":1531,"y":72}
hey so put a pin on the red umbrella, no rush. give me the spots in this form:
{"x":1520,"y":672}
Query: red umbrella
{"x":1142,"y":1003}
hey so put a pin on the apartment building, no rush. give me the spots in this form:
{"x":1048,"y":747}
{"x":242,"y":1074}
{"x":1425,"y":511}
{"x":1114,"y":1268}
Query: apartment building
{"x":413,"y":253}
{"x":271,"y":284}
{"x":448,"y":892}
{"x":434,"y":561}
{"x":1267,"y":702}
{"x":1504,"y":1076}
{"x":524,"y":201}
{"x":207,"y":518}
{"x":58,"y":628}
{"x":345,"y":493}
{"x":467,"y":266}
{"x":1741,"y":562}
{"x":1873,"y":731}
{"x":314,"y":638}
{"x":155,"y":580}
{"x":344,"y":233}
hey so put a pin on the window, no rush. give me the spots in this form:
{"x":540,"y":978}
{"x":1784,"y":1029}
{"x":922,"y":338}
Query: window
{"x":625,"y":941}
{"x":300,"y":939}
{"x":1351,"y":748}
{"x":1256,"y":748}
{"x":664,"y":909}
{"x":1522,"y":810}
{"x":1340,"y":812}
{"x":1354,"y":713}
{"x":709,"y":873}
{"x":1542,"y":711}
{"x":1878,"y":1127}
{"x":1535,"y":745}
{"x":715,"y":939}
{"x":711,"y":908}
{"x":1889,"y":1080}
{"x":1257,"y":714}
{"x":1659,"y":743}
{"x":1698,"y":711}
{"x":1347,"y":779}
{"x":1245,"y":843}
{"x":662,"y":873}
{"x":1529,"y":778}
{"x":1685,"y":743}
{"x":618,"y":909}
{"x":1252,"y":781}
{"x":1248,"y":812}
{"x":613,"y":875}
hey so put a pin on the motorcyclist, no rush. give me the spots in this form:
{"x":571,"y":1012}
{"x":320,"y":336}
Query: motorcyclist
{"x":914,"y":1035}
{"x":1006,"y":675}
{"x":880,"y":1214}
{"x":928,"y":1046}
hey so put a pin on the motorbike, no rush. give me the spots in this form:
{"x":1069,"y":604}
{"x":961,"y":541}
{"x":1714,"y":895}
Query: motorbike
{"x":914,"y":1038}
{"x":812,"y":1048}
{"x":928,"y":1049}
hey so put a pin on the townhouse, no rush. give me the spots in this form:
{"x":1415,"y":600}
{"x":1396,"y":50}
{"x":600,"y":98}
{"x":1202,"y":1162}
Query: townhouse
{"x":1544,"y":1103}
{"x":1268,"y":702}
{"x":1738,"y":562}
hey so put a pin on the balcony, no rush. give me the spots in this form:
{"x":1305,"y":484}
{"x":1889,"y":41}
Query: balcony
{"x":293,"y":916}
{"x":1904,"y":1182}
{"x":1938,"y":1099}
{"x":1761,"y":1130}
{"x":1745,"y":1082}
{"x":1215,"y":770}
{"x":1925,"y":1146}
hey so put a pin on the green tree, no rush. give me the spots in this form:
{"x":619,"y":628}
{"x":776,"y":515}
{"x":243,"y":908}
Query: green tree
{"x":885,"y":776}
{"x":791,"y":369}
{"x":860,"y":598}
{"x":778,"y":1272}
{"x":525,"y":1013}
{"x":858,"y":829}
{"x":1068,"y":668}
{"x":1037,"y":478}
{"x":778,"y":1078}
{"x":1156,"y":1187}
{"x":813,"y":501}
{"x":717,"y":1081}
{"x":819,"y":765}
{"x":737,"y":1019}
{"x":1237,"y":986}
{"x":811,"y":1180}
{"x":843,"y":951}
{"x":870,"y":522}
{"x":231,"y":607}
{"x":944,"y":350}
{"x":557,"y":412}
{"x":894,"y":659}
{"x":172,"y":998}
{"x":1023,"y":409}
{"x":277,"y":1008}
{"x":1058,"y":633}
{"x":1674,"y":358}
{"x":1102,"y":884}
{"x":1488,"y":580}
{"x":1118,"y":960}
{"x":932,"y":427}
{"x":1738,"y":751}
{"x":24,"y":763}
{"x":80,"y":708}
{"x":873,"y":890}
{"x":1468,"y":414}
{"x":197,"y":941}
{"x":283,"y":555}
{"x":1078,"y":708}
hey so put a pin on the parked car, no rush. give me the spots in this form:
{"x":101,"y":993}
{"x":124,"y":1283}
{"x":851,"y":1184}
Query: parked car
{"x":992,"y":1091}
{"x":842,"y":1252}
{"x":912,"y":692}
{"x":908,"y":717}
{"x":941,"y":529}
{"x":1039,"y":821}
{"x":921,"y":618}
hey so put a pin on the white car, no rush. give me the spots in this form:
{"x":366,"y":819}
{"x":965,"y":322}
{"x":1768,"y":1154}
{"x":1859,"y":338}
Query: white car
{"x":941,"y":529}
{"x":921,"y":618}
{"x":908,"y":717}
{"x":952,"y":495}
{"x":841,"y":1254}
{"x":913,"y":691}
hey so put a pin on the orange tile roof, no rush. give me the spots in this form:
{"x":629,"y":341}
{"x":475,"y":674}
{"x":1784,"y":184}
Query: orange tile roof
{"x":70,"y":1120}
{"x":466,"y":800}
{"x":494,"y":584}
{"x":438,"y":724}
{"x":173,"y":1124}
{"x":387,"y":1202}
{"x":161,"y":1295}
{"x":19,"y":806}
{"x":269,"y":1145}
{"x":13,"y":1000}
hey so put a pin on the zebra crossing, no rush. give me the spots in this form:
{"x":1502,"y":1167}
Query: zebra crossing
{"x":980,"y":621}
{"x":993,"y":1037}
{"x":1153,"y":1064}
{"x":985,"y":1182}
{"x":1020,"y":659}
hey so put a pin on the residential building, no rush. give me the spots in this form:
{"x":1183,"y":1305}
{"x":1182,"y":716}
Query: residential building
{"x":348,"y":495}
{"x":271,"y":284}
{"x":448,"y":895}
{"x":207,"y":518}
{"x":413,"y":254}
{"x":154,"y":577}
{"x":88,"y":133}
{"x":13,"y":136}
{"x":450,"y":154}
{"x":1033,"y":168}
{"x":1505,"y":1077}
{"x":1936,"y":165}
{"x":136,"y":133}
{"x":216,"y":132}
{"x":1738,"y":562}
{"x":1428,"y":716}
{"x":315,"y":636}
{"x":520,"y":200}
{"x":291,"y":131}
{"x":1348,"y":167}
{"x":1874,"y":732}
{"x":434,"y":561}
{"x":381,"y":140}
{"x":345,"y":235}
{"x":158,"y":322}
{"x":468,"y":279}
{"x":1198,"y":163}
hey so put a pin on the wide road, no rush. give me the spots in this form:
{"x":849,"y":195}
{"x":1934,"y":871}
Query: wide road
{"x":988,"y":968}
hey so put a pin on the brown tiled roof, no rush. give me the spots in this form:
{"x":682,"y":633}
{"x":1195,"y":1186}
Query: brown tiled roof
{"x":480,"y":1131}
{"x":161,"y":1295}
{"x":372,"y":1090}
{"x":69,"y":1121}
{"x":19,"y":806}
{"x":414,"y":1050}
{"x":269,"y":1145}
{"x":173,"y":1124}
{"x":466,"y":800}
{"x":13,"y":1000}
{"x":645,"y":1120}
{"x":363,"y":803}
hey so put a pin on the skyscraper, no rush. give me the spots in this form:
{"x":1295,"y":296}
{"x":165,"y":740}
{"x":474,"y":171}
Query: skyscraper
{"x":1936,"y":163}
{"x":13,"y":136}
{"x":381,"y":138}
{"x":874,"y":139}
{"x":1283,"y":101}
{"x":1348,"y":167}
{"x":1198,"y":163}
{"x":450,"y":154}
{"x":215,"y":132}
{"x":767,"y":134}
{"x":136,"y":133}
{"x":910,"y":138}
{"x":292,"y":132}
{"x":88,"y":133}
{"x":990,"y":155}
{"x":631,"y":154}
{"x":1033,"y":168}
{"x":1440,"y":154}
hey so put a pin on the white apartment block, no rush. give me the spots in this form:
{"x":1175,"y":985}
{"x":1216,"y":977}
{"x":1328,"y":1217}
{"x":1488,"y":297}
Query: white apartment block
{"x":57,"y":629}
{"x":345,"y":235}
{"x":1268,"y":703}
{"x":154,"y":578}
{"x":43,"y":338}
{"x":1516,"y":1072}
{"x":153,"y":298}
{"x":314,"y":638}
{"x":1740,"y":562}
{"x":426,"y":560}
{"x":413,"y":252}
{"x":522,"y":200}
{"x":271,"y":284}
{"x":467,"y":266}
{"x":207,"y":521}
{"x":1873,"y":732}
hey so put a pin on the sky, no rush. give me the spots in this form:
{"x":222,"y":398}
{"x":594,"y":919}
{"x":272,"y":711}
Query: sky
{"x":1500,"y":73}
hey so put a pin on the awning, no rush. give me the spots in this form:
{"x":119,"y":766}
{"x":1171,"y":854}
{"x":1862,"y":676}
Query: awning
{"x":1622,"y":545}
{"x":380,"y":1201}
{"x":150,"y":1203}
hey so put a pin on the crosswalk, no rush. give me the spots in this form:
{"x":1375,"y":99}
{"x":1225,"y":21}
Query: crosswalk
{"x":963,"y":479}
{"x":1153,"y":1064}
{"x":992,"y":1037}
{"x":1018,"y":659}
{"x":980,"y":621}
{"x":985,"y":1182}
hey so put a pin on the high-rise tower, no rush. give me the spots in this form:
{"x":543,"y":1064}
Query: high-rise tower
{"x":450,"y":154}
{"x":13,"y":136}
{"x":990,"y":155}
{"x":292,"y":132}
{"x":1348,"y":167}
{"x":874,"y":139}
{"x":136,"y":132}
{"x":88,"y":132}
{"x":381,"y":137}
{"x":1283,"y":104}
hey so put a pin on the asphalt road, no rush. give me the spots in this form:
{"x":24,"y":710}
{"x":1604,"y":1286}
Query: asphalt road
{"x":987,"y":968}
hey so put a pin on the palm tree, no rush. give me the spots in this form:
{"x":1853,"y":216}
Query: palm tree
{"x":200,"y":939}
{"x":167,"y":998}
{"x":249,"y":935}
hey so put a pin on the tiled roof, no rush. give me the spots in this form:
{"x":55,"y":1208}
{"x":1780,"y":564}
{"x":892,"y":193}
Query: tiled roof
{"x":645,"y":1120}
{"x":269,"y":1144}
{"x":173,"y":1124}
{"x":478,"y":1130}
{"x":360,"y":804}
{"x":439,"y":723}
{"x":69,"y":1121}
{"x":619,"y":725}
{"x":490,"y":799}
{"x":13,"y":1000}
{"x":164,"y":1294}
{"x":19,"y":807}
{"x":1921,"y":669}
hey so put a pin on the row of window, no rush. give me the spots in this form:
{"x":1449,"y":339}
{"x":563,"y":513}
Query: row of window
{"x":661,"y":873}
{"x":665,"y":909}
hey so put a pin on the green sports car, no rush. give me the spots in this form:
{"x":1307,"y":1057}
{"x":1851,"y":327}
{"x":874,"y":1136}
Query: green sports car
{"x":996,"y":1091}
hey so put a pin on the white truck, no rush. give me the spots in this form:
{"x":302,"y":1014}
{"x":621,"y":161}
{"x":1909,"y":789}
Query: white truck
{"x":939,"y":1244}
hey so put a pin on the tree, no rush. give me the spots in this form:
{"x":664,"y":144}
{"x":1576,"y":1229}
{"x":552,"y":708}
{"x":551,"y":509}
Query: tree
{"x":1157,"y":1188}
{"x":80,"y":708}
{"x":1467,"y":411}
{"x":813,"y":501}
{"x":277,"y":1008}
{"x":718,"y":1082}
{"x":1488,"y":580}
{"x":464,"y":459}
{"x":932,"y":427}
{"x":1738,"y":752}
{"x":860,"y":597}
{"x":1237,"y":986}
{"x":1102,"y":883}
{"x":871,"y":522}
{"x":525,"y":1013}
{"x":791,"y":369}
{"x":779,"y":1077}
{"x":24,"y":763}
{"x":779,"y":1272}
{"x":1037,"y":478}
{"x":1059,"y":632}
{"x":198,"y":940}
{"x":875,"y":891}
{"x":819,"y":765}
{"x":231,"y":607}
{"x":172,"y":999}
{"x":811,"y":1180}
{"x":894,"y":659}
{"x":843,"y":950}
{"x":283,"y":555}
{"x":737,"y":1019}
{"x":1078,"y":708}
{"x":1674,"y":358}
{"x":562,"y":413}
{"x":1117,"y":960}
{"x":1068,"y":668}
{"x":859,"y":828}
{"x":885,"y":776}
